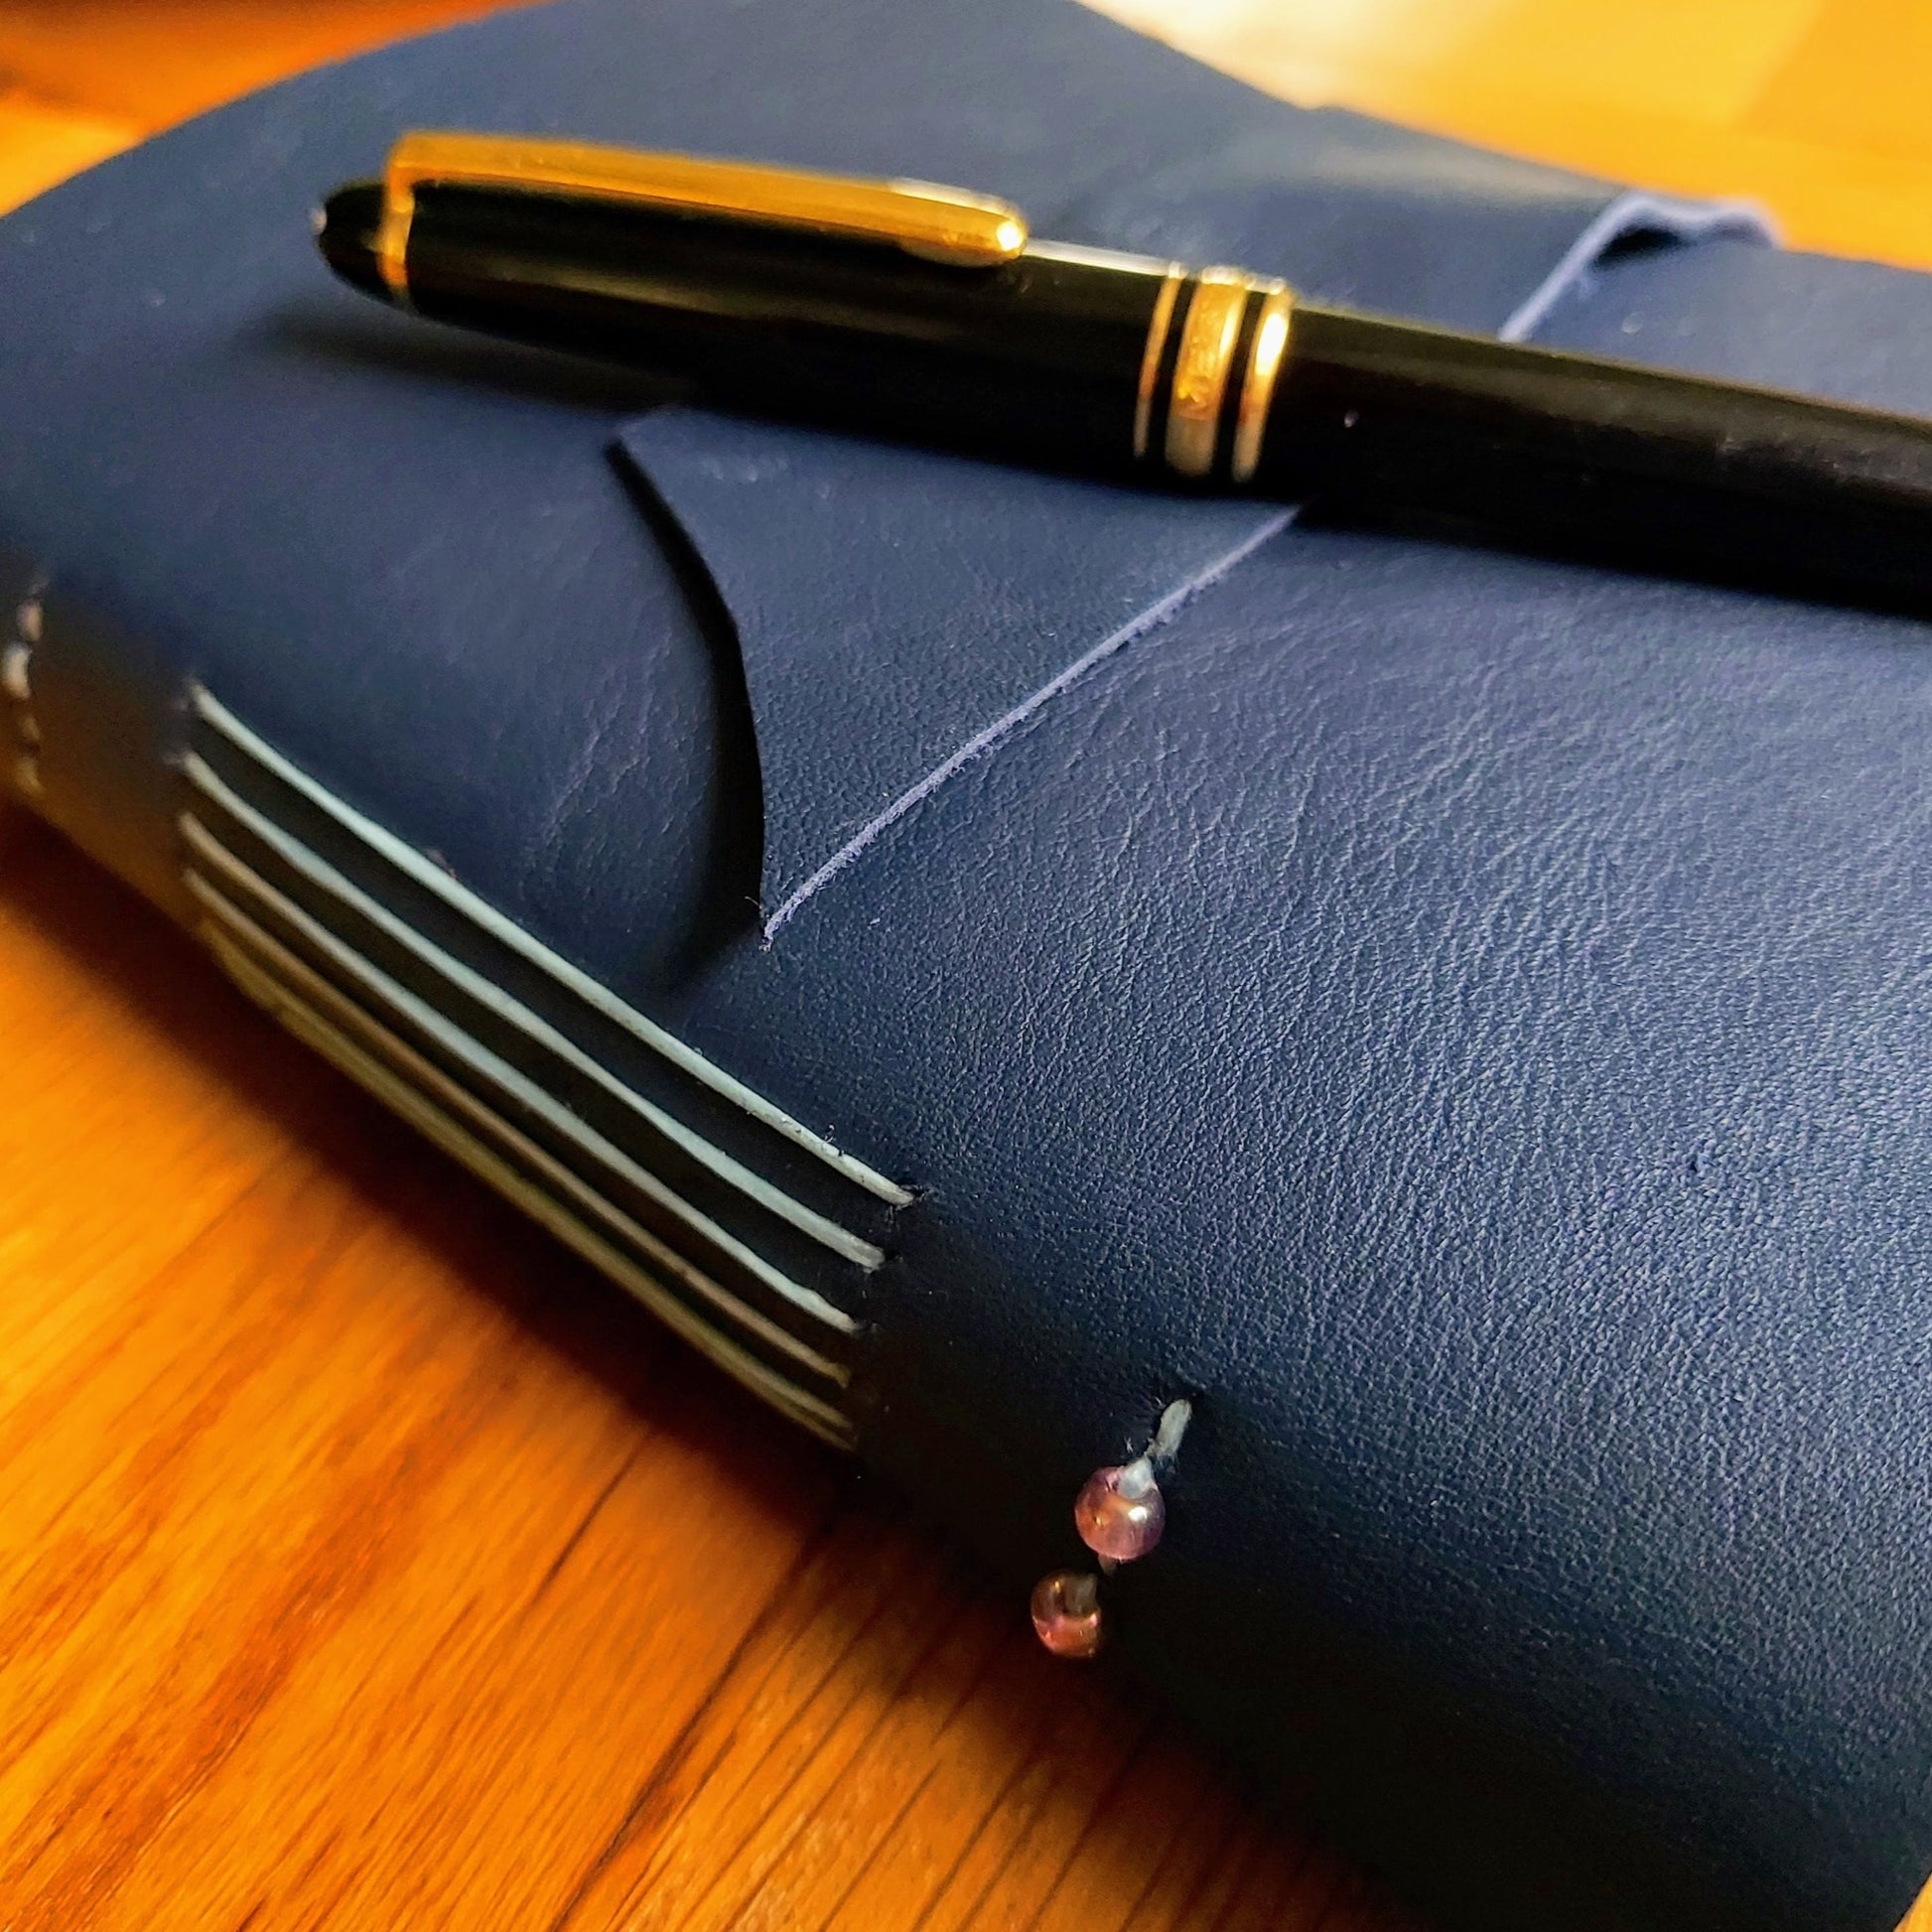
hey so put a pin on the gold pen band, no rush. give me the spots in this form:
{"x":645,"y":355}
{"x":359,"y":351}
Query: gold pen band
{"x":1265,"y":362}
{"x":1200,"y":371}
{"x":1157,"y":341}
{"x":1201,"y":399}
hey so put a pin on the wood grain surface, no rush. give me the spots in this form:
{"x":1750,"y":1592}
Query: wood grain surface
{"x":364,"y":1562}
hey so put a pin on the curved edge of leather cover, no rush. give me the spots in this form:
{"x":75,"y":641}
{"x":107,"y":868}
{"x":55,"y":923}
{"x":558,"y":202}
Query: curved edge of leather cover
{"x":899,"y":611}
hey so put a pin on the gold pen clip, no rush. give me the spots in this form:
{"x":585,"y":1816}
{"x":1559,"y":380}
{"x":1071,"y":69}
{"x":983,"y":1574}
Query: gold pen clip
{"x":942,"y":225}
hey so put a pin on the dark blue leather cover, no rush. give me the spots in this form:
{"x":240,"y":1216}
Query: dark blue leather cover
{"x":899,"y":612}
{"x":1457,"y":1017}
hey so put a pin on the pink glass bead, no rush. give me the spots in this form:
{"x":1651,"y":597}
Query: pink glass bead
{"x":1066,"y":1612}
{"x":1120,"y":1514}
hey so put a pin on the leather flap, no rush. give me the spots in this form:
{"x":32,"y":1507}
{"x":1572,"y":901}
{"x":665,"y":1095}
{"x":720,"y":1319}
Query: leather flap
{"x":900,"y":613}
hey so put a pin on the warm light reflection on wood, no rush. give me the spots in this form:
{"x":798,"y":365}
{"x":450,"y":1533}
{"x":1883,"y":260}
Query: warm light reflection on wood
{"x":1822,"y":111}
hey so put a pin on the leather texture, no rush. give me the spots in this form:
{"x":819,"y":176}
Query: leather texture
{"x":898,"y":610}
{"x":1460,"y":1017}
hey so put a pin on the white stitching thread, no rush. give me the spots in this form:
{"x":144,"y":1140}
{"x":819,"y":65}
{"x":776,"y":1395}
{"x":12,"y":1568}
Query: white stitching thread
{"x":427,"y":1118}
{"x":239,"y":943}
{"x":734,"y":1174}
{"x":595,"y":995}
{"x":501,"y":1075}
{"x":17,"y":692}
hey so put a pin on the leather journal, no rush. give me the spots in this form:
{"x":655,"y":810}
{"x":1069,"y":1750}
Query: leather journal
{"x":987,"y":956}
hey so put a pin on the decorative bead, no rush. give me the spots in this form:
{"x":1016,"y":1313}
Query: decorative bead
{"x":1066,"y":1612}
{"x":1120,"y":1514}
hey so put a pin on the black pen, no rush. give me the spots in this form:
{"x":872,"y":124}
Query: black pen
{"x":915,"y":310}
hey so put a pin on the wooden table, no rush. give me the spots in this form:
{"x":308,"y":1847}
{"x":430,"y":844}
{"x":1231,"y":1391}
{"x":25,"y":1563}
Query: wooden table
{"x":364,"y":1562}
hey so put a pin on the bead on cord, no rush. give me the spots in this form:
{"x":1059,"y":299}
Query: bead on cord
{"x":1120,"y":1515}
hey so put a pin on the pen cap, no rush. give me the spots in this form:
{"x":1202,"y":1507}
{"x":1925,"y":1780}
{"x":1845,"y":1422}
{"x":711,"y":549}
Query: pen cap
{"x":1039,"y":356}
{"x":349,"y":229}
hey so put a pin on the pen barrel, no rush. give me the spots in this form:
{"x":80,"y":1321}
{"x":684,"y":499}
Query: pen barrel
{"x":1218,"y":378}
{"x":1587,"y":453}
{"x":1037,"y":356}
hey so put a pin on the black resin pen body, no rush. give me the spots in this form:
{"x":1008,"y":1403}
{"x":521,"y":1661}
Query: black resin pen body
{"x":929,"y":314}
